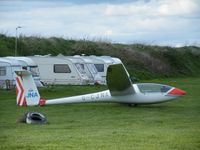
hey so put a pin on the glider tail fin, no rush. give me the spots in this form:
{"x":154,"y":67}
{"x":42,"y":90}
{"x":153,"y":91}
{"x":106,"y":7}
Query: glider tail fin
{"x":26,"y":90}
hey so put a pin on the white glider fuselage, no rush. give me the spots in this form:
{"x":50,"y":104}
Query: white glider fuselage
{"x":105,"y":96}
{"x":120,"y":90}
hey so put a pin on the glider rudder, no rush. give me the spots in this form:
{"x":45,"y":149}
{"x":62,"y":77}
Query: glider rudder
{"x":26,"y":90}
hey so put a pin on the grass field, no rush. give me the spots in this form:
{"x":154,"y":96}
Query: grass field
{"x":166,"y":126}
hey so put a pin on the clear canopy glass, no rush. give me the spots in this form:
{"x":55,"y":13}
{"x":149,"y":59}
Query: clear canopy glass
{"x":152,"y":87}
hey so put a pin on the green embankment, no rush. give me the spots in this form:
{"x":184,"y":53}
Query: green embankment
{"x":142,"y":61}
{"x":173,"y":125}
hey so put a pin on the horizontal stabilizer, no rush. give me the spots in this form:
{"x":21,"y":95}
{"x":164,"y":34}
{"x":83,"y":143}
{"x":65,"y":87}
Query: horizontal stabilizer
{"x":118,"y":81}
{"x":23,"y":73}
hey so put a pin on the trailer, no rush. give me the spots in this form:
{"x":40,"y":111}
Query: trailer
{"x":90,"y":70}
{"x":30,"y":65}
{"x":7,"y":72}
{"x":57,"y":70}
{"x":80,"y":65}
{"x":102,"y":62}
{"x":101,"y":65}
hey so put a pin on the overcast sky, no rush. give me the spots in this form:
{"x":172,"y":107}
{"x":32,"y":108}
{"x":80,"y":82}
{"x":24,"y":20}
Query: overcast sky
{"x":163,"y":22}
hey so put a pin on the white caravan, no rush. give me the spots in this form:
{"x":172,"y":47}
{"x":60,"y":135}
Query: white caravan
{"x":91,"y":70}
{"x":102,"y":63}
{"x":55,"y":70}
{"x":30,"y":65}
{"x":100,"y":67}
{"x":7,"y":72}
{"x":116,"y":60}
{"x":79,"y":64}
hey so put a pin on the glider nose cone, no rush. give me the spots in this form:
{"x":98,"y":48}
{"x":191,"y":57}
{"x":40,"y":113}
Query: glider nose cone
{"x":177,"y":92}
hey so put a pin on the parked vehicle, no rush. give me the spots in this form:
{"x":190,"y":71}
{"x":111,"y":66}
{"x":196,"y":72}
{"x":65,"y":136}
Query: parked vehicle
{"x":90,"y":70}
{"x":7,"y":72}
{"x":58,"y":70}
{"x":30,"y":65}
{"x":102,"y":63}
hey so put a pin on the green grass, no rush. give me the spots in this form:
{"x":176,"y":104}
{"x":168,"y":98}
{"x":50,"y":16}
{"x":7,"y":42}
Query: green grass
{"x":166,"y":126}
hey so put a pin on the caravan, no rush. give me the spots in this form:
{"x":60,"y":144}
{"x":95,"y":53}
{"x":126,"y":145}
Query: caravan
{"x":57,"y":70}
{"x":30,"y":65}
{"x":100,"y":67}
{"x":7,"y":72}
{"x":79,"y":64}
{"x":90,"y":70}
{"x":103,"y":62}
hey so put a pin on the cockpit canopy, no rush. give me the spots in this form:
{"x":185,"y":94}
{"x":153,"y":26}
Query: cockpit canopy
{"x":152,"y":87}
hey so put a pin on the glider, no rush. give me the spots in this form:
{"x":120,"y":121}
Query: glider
{"x":120,"y":90}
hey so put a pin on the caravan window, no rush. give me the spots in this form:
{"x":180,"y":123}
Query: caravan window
{"x":100,"y":67}
{"x":61,"y":68}
{"x":2,"y":71}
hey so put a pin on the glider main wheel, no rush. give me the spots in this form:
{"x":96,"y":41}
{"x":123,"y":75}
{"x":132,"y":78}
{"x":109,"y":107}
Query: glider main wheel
{"x":132,"y":105}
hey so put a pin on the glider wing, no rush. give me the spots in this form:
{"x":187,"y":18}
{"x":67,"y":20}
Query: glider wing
{"x":118,"y":81}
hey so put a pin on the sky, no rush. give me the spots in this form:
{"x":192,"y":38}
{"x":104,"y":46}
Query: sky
{"x":156,"y":22}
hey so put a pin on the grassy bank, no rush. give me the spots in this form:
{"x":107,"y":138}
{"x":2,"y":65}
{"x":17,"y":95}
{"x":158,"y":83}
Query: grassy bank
{"x":142,"y":61}
{"x":173,"y":125}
